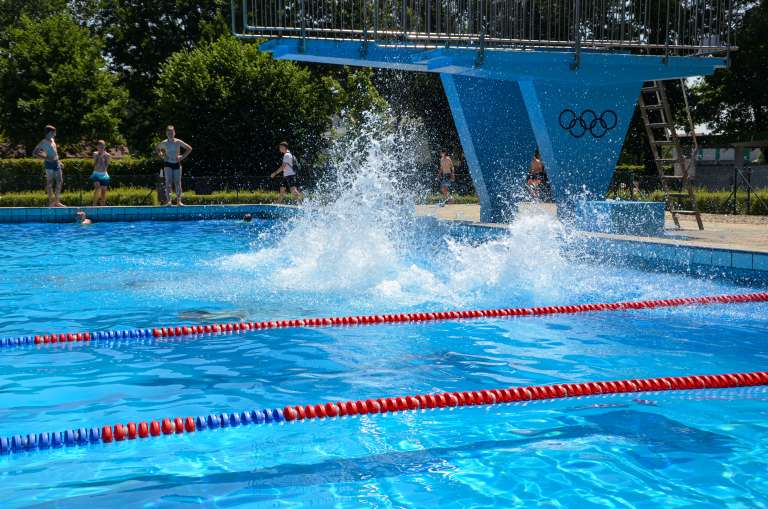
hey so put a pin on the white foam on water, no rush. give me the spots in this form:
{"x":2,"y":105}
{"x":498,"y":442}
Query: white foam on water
{"x":360,"y":239}
{"x":359,"y":244}
{"x":354,"y":231}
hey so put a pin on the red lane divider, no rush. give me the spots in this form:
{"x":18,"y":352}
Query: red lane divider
{"x":234,"y":327}
{"x":331,"y":409}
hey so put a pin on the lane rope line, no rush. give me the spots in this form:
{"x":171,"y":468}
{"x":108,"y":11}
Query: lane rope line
{"x":236,"y":327}
{"x":179,"y":425}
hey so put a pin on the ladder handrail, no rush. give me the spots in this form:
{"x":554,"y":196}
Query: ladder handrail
{"x":694,"y":140}
{"x":670,"y":138}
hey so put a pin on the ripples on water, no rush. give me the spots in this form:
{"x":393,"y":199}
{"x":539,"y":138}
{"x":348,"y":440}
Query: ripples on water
{"x":364,"y":252}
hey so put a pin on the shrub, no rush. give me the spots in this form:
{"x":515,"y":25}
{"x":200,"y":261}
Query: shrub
{"x":128,"y":196}
{"x":714,"y":202}
{"x":234,"y":104}
{"x":18,"y":175}
{"x":53,"y":71}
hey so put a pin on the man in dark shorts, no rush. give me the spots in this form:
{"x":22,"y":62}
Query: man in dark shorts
{"x":288,"y":169}
{"x":173,"y":151}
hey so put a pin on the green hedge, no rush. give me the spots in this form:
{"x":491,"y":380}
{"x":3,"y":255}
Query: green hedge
{"x":709,"y":202}
{"x":630,"y":168}
{"x":133,"y":196}
{"x":147,"y":196}
{"x":17,"y":175}
{"x":459,"y":199}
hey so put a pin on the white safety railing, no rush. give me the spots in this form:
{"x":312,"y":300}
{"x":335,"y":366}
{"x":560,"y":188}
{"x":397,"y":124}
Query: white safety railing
{"x":641,"y":26}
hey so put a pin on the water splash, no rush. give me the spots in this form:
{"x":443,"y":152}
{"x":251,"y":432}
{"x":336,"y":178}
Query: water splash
{"x":359,"y":245}
{"x":360,"y":239}
{"x":355,"y":229}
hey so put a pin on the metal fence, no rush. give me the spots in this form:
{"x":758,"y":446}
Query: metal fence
{"x":649,"y":26}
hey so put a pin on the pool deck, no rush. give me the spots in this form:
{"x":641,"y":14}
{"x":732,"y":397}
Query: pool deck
{"x":741,"y":233}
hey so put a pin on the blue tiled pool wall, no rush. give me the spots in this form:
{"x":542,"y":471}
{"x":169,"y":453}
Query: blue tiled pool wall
{"x":109,"y":214}
{"x":732,"y":265}
{"x":618,"y":216}
{"x":739,"y":266}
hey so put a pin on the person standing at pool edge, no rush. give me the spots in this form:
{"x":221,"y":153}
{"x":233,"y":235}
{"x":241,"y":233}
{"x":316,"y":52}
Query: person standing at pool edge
{"x":49,"y":152}
{"x":288,"y":168}
{"x":446,"y":174}
{"x":100,"y":177}
{"x":537,"y":178}
{"x":170,"y":150}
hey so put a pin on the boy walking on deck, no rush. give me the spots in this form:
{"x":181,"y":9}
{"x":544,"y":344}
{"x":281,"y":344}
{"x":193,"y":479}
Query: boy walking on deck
{"x":49,"y":152}
{"x":173,"y":151}
{"x":288,"y":169}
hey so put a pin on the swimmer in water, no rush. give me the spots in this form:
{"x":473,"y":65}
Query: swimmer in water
{"x":49,"y":152}
{"x":247,"y":218}
{"x":82,"y":219}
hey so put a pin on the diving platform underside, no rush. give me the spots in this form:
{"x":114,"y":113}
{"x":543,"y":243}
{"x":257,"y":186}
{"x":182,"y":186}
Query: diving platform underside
{"x":494,"y":63}
{"x":506,"y":103}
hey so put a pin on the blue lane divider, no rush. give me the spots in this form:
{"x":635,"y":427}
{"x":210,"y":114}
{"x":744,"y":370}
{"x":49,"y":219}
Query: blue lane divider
{"x":84,"y":436}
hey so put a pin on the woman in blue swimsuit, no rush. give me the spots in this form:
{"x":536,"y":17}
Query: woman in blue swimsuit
{"x":100,"y":177}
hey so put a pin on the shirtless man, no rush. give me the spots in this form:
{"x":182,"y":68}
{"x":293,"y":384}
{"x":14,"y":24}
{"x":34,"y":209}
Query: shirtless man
{"x":49,"y":152}
{"x":170,"y":150}
{"x":446,"y":175}
{"x":536,"y":176}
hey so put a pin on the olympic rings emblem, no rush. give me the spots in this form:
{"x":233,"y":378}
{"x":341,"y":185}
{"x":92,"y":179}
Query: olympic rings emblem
{"x":587,"y":122}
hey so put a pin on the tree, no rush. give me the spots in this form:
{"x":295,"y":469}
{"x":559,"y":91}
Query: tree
{"x":234,"y":104}
{"x":734,"y":101}
{"x":421,"y":95}
{"x":140,"y":35}
{"x":52,"y":71}
{"x":11,"y":11}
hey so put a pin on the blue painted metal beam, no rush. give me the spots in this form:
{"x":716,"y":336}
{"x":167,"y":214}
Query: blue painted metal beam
{"x":508,"y":65}
{"x":516,"y":100}
{"x":497,"y":139}
{"x":580,"y":129}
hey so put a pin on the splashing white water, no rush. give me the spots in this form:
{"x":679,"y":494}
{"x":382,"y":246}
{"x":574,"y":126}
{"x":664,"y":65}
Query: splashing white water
{"x":359,"y":245}
{"x":367,"y":245}
{"x":360,"y":234}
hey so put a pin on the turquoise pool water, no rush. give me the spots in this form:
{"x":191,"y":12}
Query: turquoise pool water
{"x":694,"y":449}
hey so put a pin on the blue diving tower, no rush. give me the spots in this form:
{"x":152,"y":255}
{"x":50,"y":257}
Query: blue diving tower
{"x":560,"y":75}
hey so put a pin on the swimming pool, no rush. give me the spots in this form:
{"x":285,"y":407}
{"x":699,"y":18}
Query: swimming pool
{"x":688,"y":449}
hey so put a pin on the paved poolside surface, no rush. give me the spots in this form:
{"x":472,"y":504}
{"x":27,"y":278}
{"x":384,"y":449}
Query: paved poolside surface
{"x":748,"y":233}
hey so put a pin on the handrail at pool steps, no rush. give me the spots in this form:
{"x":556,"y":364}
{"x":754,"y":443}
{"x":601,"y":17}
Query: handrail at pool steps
{"x":236,"y":327}
{"x":109,"y":433}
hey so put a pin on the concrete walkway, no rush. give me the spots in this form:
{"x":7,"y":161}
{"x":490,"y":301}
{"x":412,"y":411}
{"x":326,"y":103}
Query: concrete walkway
{"x":746,"y":233}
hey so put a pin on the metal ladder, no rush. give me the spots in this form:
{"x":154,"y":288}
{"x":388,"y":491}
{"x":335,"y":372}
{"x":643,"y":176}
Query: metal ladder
{"x":668,"y":151}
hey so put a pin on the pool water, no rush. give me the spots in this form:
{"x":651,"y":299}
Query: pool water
{"x":688,"y":449}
